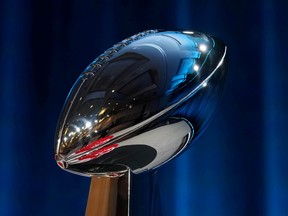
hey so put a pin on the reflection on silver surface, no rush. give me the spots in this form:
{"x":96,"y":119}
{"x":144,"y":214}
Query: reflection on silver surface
{"x":140,"y":103}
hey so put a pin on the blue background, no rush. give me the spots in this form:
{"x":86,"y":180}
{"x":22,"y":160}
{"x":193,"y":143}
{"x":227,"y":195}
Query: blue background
{"x":239,"y":165}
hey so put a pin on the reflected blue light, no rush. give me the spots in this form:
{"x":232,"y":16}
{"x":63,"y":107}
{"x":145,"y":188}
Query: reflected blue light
{"x":181,"y":76}
{"x":182,"y":198}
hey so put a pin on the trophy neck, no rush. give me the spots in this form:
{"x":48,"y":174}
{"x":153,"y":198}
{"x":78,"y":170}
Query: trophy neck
{"x":109,"y":195}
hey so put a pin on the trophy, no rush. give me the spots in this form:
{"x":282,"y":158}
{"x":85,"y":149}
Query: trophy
{"x":136,"y":107}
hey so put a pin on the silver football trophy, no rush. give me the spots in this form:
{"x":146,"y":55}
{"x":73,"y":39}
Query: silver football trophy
{"x":136,"y":107}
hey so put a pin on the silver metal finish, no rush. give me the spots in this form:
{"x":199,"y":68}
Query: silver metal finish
{"x":140,"y":103}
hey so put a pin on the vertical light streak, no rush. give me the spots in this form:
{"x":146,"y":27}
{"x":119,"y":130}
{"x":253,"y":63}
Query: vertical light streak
{"x":13,"y":64}
{"x":274,"y":120}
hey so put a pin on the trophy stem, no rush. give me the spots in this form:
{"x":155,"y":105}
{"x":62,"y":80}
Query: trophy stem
{"x":109,"y":196}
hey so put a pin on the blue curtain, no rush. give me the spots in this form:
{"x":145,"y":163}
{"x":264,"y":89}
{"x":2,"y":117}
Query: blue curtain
{"x":238,"y":167}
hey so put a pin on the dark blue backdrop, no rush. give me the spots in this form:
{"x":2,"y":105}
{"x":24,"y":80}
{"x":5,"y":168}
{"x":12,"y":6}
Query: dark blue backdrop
{"x":239,"y":165}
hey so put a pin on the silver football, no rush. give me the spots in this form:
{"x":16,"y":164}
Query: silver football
{"x":141,"y":103}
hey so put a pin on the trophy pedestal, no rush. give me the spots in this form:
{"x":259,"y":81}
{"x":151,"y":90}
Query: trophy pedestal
{"x":109,"y":195}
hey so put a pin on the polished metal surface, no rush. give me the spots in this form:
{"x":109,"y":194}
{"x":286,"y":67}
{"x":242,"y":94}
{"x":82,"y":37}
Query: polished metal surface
{"x":140,"y":103}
